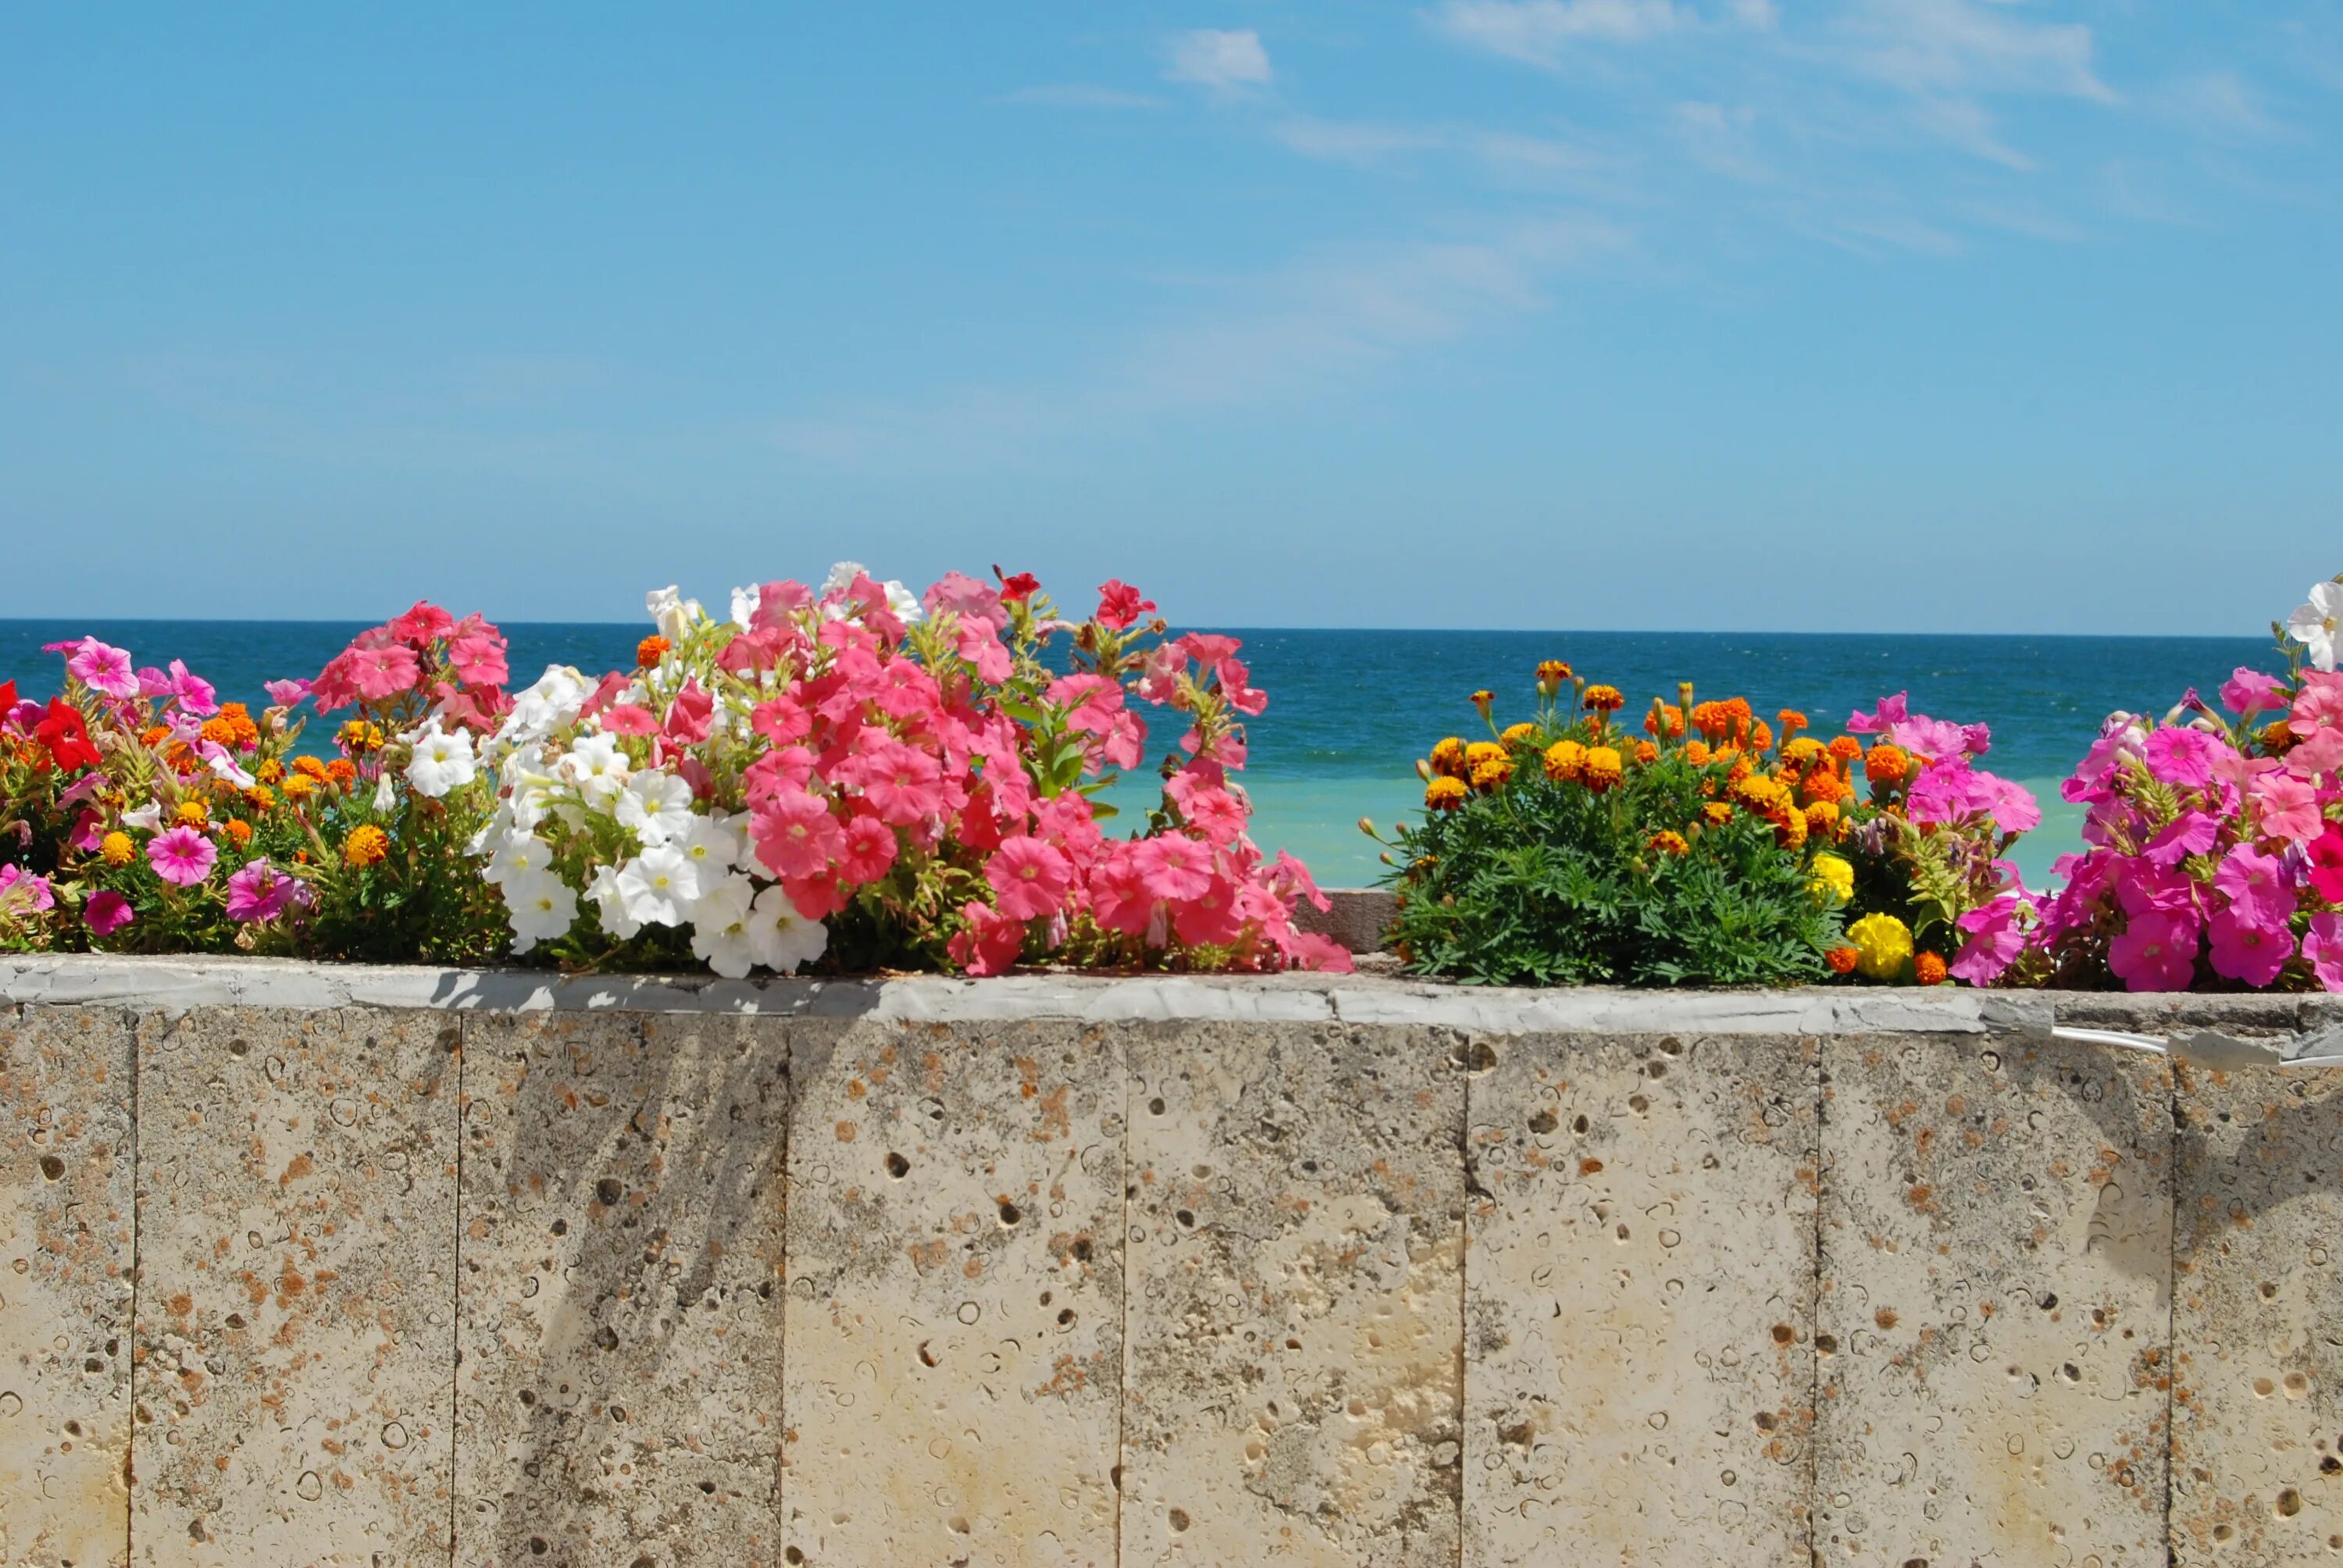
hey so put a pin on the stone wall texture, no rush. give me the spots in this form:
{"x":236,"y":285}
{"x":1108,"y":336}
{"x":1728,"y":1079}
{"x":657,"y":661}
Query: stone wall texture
{"x":398,"y":1267}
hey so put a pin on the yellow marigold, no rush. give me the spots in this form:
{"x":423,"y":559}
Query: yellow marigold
{"x":1832,"y":882}
{"x":651,"y":649}
{"x":1646,"y":753}
{"x":1824,"y":821}
{"x":1698,"y":753}
{"x":1485,"y":700}
{"x":116,"y":848}
{"x":1603,"y":699}
{"x":1790,"y":830}
{"x":260,"y":797}
{"x":1565,"y":761}
{"x":192,"y":812}
{"x":2278,"y":737}
{"x":1480,"y":751}
{"x":1717,"y":812}
{"x":1605,"y":768}
{"x":1668,"y":841}
{"x":1448,"y":757}
{"x":1550,"y":674}
{"x":1490,"y":772}
{"x":1803,"y":753}
{"x":1518,"y":735}
{"x":270,"y":771}
{"x":1883,"y":946}
{"x":364,"y":846}
{"x":239,"y":830}
{"x":1885,"y":764}
{"x":1928,"y":969}
{"x":1768,"y":796}
{"x":300,"y":786}
{"x":358,"y":735}
{"x":1445,"y":794}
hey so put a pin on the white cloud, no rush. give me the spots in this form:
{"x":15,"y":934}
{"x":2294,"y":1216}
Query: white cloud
{"x":1954,"y":47}
{"x":1079,"y":95}
{"x":1370,"y":142}
{"x":1538,"y":31}
{"x":2219,"y":104}
{"x":1720,"y":140}
{"x":1222,"y":62}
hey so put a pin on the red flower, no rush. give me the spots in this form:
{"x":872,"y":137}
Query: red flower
{"x":67,"y":736}
{"x":7,"y":696}
{"x":1019,"y":588}
{"x":1120,"y":604}
{"x":2327,"y":865}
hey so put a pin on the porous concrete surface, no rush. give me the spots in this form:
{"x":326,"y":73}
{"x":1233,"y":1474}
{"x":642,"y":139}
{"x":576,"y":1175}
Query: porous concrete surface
{"x":673,"y":1321}
{"x":1639,"y":1301}
{"x":953,"y":1384}
{"x":296,"y":1185}
{"x":2257,"y":1319}
{"x":66,"y":1239}
{"x":1295,"y":1346}
{"x":618,"y":1398}
{"x":1993,"y":1327}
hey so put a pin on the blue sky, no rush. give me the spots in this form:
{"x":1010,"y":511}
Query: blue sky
{"x":1941,"y":315}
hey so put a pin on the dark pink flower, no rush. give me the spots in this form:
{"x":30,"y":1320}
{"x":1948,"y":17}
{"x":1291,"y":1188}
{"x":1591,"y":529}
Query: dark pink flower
{"x":1994,"y":939}
{"x":991,"y":941}
{"x":871,"y":850}
{"x":796,"y":836}
{"x":423,"y":624}
{"x":2327,"y":865}
{"x":106,"y":913}
{"x":2190,"y":833}
{"x":1120,"y":605}
{"x":181,"y":857}
{"x":478,"y":654}
{"x":903,"y":785}
{"x":2155,"y":953}
{"x":259,"y":892}
{"x":1028,"y":878}
{"x":689,"y":716}
{"x":2248,"y":691}
{"x":1210,"y":917}
{"x":2247,"y":952}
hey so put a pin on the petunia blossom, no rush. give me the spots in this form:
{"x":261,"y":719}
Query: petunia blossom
{"x":102,"y":666}
{"x":2323,"y":946}
{"x":2244,"y":950}
{"x":105,"y":913}
{"x":258,"y":892}
{"x":181,"y":857}
{"x":1028,"y":878}
{"x":2256,"y":888}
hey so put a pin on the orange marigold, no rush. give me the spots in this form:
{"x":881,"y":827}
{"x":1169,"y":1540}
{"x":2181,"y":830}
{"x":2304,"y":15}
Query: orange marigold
{"x":309,"y":768}
{"x":1847,"y":749}
{"x":1885,"y":764}
{"x":2278,"y":737}
{"x":1604,"y":766}
{"x":1445,"y":794}
{"x":1791,"y":721}
{"x":651,"y":649}
{"x":1823,"y":784}
{"x":1666,"y":717}
{"x":366,"y":846}
{"x":1790,"y":829}
{"x":1761,"y":737}
{"x":1448,"y":757}
{"x":1603,"y":699}
{"x":1565,"y":761}
{"x":1841,"y":960}
{"x":1928,"y":969}
{"x":154,"y":735}
{"x":1668,"y":841}
{"x":340,"y":771}
{"x":1698,"y":753}
{"x":239,"y":831}
{"x":1646,"y":753}
{"x":219,"y":731}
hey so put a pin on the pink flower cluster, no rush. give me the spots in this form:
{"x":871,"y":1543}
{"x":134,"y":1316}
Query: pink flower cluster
{"x":2215,"y":850}
{"x":459,"y":666}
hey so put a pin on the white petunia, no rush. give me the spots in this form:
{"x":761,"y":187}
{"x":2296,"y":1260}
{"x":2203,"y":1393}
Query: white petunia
{"x":712,"y":844}
{"x":541,"y":907}
{"x":384,"y":797}
{"x":657,"y":886}
{"x":610,"y":904}
{"x":597,"y":766}
{"x":783,"y":938}
{"x":657,"y":805}
{"x":147,"y":819}
{"x":2318,"y":625}
{"x":442,"y":761}
{"x":675,"y":613}
{"x":519,"y":855}
{"x":541,"y":708}
{"x":900,"y":600}
{"x":720,"y":927}
{"x":495,"y":831}
{"x":226,"y":769}
{"x":745,"y":601}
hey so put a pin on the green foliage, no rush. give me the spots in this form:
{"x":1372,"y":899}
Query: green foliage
{"x":1552,"y":883}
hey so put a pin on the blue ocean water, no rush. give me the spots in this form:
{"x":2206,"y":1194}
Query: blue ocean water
{"x":1349,"y":711}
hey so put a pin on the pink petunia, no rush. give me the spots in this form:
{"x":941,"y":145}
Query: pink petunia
{"x":2257,"y":887}
{"x":1173,"y":866}
{"x":2323,"y":946}
{"x":425,"y":623}
{"x":2318,"y":706}
{"x":1994,"y":941}
{"x":106,"y":913}
{"x":2179,"y":755}
{"x":102,"y":666}
{"x":1119,"y":900}
{"x":991,"y":943}
{"x":691,"y":716}
{"x":1028,"y":878}
{"x":2190,"y":833}
{"x":22,"y":891}
{"x":1211,"y":917}
{"x":196,"y":695}
{"x":2248,"y":691}
{"x":2327,"y":865}
{"x":2156,"y":951}
{"x":478,"y":655}
{"x":903,"y":785}
{"x":285,"y":693}
{"x":181,"y":857}
{"x":259,"y":892}
{"x":1120,"y":605}
{"x":2288,"y":806}
{"x":383,"y":672}
{"x":1090,"y":701}
{"x":2246,"y":951}
{"x":796,"y":836}
{"x":871,"y":850}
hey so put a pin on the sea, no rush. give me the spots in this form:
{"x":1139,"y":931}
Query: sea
{"x":1351,"y":711}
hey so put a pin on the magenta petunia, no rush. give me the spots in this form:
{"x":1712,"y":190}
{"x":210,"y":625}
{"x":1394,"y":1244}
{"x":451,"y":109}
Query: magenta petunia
{"x":2245,"y":951}
{"x":106,"y":913}
{"x":259,"y":892}
{"x":181,"y":857}
{"x":2323,"y":946}
{"x":102,"y":668}
{"x":2257,"y":887}
{"x":2156,"y":951}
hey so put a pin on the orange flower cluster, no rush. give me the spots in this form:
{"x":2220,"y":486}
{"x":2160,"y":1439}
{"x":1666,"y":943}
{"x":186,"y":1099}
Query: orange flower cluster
{"x":651,"y":650}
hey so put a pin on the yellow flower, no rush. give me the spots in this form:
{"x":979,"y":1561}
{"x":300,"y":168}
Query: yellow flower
{"x":300,"y":786}
{"x":192,"y":812}
{"x":1833,"y":883}
{"x":1482,"y":751}
{"x":1603,"y":699}
{"x":1565,"y":761}
{"x":1604,"y":768}
{"x":1518,"y":735}
{"x":1445,"y":794}
{"x":1769,"y":798}
{"x":1550,"y":674}
{"x":1822,"y":820}
{"x":270,"y":771}
{"x":1803,"y":753}
{"x":1490,"y":772}
{"x":1883,"y":946}
{"x":118,"y":849}
{"x":1448,"y":757}
{"x":358,"y":735}
{"x":1485,"y":700}
{"x":364,"y":846}
{"x":1717,"y":812}
{"x":1668,"y":841}
{"x":260,"y":797}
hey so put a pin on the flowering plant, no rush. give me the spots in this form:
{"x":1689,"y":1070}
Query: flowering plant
{"x":1928,"y":854}
{"x":2215,"y":836}
{"x":868,"y":779}
{"x":1563,"y":849}
{"x":147,"y":816}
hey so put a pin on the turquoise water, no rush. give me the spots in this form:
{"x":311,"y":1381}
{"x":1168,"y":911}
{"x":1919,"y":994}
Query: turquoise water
{"x":1349,"y":711}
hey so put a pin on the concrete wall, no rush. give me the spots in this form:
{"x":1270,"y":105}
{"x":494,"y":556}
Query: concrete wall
{"x":393,"y":1267}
